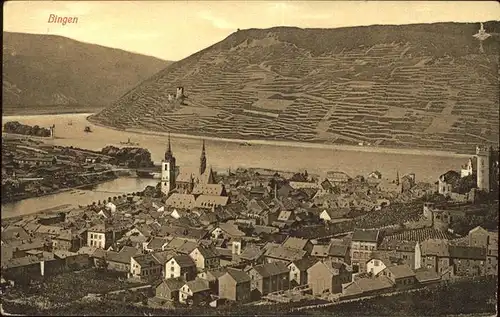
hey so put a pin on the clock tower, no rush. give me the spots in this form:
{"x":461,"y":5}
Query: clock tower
{"x":168,"y":171}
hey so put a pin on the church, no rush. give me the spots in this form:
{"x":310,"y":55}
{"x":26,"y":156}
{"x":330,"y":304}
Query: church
{"x":185,"y":180}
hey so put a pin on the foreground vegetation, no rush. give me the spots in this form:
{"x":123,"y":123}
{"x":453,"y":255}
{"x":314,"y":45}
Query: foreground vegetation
{"x":464,"y":297}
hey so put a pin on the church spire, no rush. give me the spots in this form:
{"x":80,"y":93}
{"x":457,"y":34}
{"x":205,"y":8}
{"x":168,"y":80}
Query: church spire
{"x":397,"y":177}
{"x":168,"y":154}
{"x":203,"y":159}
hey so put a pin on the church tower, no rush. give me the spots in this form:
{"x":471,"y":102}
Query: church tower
{"x":168,"y":170}
{"x":483,"y":168}
{"x":203,"y":160}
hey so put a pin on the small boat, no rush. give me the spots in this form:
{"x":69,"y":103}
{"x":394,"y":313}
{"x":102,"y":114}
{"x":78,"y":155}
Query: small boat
{"x":87,"y":129}
{"x":129,"y":143}
{"x":70,"y":123}
{"x":245,"y":144}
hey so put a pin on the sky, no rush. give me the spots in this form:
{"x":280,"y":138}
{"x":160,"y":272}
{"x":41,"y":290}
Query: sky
{"x":173,"y":30}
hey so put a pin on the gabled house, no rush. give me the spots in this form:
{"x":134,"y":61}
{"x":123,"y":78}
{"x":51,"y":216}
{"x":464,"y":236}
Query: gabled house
{"x":226,"y":231}
{"x":169,"y":289}
{"x":298,"y":271}
{"x":180,"y":265}
{"x":400,"y":275}
{"x":205,"y":257}
{"x":67,"y":241}
{"x":468,"y":261}
{"x":145,"y":266}
{"x":328,"y":276}
{"x":434,"y":254}
{"x":195,"y":292}
{"x":156,"y":244}
{"x":283,"y":254}
{"x":268,"y":278}
{"x":363,"y":243}
{"x":403,"y":249}
{"x":235,"y":285}
{"x":298,"y":244}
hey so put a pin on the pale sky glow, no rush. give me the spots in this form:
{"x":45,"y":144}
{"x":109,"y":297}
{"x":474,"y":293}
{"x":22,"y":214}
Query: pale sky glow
{"x":173,"y":30}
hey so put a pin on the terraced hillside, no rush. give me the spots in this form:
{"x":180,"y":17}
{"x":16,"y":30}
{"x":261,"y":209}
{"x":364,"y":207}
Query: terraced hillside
{"x":41,"y":71}
{"x":417,"y":86}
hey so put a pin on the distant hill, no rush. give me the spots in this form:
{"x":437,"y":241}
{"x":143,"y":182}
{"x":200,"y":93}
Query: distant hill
{"x":41,"y":71}
{"x":418,"y":86}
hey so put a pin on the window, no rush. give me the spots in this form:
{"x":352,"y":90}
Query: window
{"x":171,"y":275}
{"x":377,"y":263}
{"x":172,"y":268}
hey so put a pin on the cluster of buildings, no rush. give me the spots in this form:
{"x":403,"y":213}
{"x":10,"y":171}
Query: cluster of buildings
{"x":482,"y":170}
{"x":207,"y":239}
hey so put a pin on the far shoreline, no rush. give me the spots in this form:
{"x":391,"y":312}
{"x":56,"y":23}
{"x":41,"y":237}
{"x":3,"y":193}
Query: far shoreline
{"x":296,"y":144}
{"x":352,"y":148}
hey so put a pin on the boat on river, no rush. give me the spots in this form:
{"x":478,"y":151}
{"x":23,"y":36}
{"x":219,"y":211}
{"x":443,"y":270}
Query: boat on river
{"x":129,"y":143}
{"x":87,"y":129}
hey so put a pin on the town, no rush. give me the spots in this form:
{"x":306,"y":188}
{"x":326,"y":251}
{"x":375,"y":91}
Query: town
{"x":248,"y":237}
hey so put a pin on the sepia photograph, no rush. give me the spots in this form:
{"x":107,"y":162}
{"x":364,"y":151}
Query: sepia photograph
{"x":250,"y":158}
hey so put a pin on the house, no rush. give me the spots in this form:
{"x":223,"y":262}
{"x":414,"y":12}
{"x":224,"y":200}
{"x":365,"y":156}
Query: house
{"x":298,"y":271}
{"x":120,"y":261}
{"x":400,"y":275}
{"x":226,"y":231}
{"x":212,"y":276}
{"x":252,"y":255}
{"x":298,"y":244}
{"x":335,"y":177}
{"x":169,"y":289}
{"x":197,"y":291}
{"x":380,"y":260}
{"x":329,"y":214}
{"x":339,"y":252}
{"x":328,"y":276}
{"x":180,"y":265}
{"x":209,"y":189}
{"x":447,"y":182}
{"x":283,"y":254}
{"x":469,"y":168}
{"x":181,"y":201}
{"x":367,"y":286}
{"x":479,"y":237}
{"x":205,"y":257}
{"x":403,"y":249}
{"x":363,"y":243}
{"x":467,"y":261}
{"x":111,"y":207}
{"x":235,"y":285}
{"x":66,"y":240}
{"x":388,"y":186}
{"x":100,"y":236}
{"x":145,"y":266}
{"x":156,"y":244}
{"x":433,"y":254}
{"x":268,"y":278}
{"x":210,"y":201}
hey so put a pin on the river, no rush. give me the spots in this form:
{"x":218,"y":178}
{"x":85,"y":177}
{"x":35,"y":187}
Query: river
{"x":75,"y":197}
{"x":224,"y":154}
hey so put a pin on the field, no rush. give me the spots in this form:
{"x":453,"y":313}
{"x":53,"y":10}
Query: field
{"x":408,"y":89}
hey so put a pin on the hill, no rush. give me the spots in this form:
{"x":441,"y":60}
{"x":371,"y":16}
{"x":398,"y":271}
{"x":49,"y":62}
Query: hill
{"x":417,"y":86}
{"x":49,"y":72}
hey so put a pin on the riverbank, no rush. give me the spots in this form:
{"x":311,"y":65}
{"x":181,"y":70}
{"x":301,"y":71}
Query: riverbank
{"x":47,"y":210}
{"x":247,"y":142}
